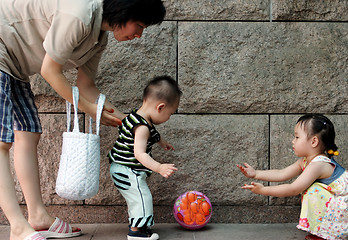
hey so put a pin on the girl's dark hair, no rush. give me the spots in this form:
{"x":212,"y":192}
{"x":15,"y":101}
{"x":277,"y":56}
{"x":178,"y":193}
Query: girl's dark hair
{"x":163,"y":88}
{"x":317,"y":124}
{"x":119,"y":12}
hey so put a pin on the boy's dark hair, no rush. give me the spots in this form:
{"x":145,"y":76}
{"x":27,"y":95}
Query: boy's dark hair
{"x":317,"y":124}
{"x":163,"y":88}
{"x":119,"y":12}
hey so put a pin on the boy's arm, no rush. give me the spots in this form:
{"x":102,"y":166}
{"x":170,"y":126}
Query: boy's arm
{"x":142,"y":134}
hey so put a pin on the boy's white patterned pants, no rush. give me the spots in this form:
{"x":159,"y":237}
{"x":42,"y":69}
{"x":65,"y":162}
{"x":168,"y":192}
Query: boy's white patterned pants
{"x":133,"y":187}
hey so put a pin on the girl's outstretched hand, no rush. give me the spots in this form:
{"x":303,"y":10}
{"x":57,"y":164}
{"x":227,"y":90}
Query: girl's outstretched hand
{"x":248,"y":170}
{"x":254,"y":187}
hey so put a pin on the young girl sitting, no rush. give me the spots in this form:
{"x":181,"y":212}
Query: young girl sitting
{"x":321,"y":180}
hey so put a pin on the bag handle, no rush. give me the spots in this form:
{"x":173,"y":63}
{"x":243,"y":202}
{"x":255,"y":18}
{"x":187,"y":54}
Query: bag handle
{"x":75,"y":92}
{"x":100,"y":101}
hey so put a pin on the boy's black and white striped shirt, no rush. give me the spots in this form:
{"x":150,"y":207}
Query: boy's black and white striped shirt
{"x":123,"y":149}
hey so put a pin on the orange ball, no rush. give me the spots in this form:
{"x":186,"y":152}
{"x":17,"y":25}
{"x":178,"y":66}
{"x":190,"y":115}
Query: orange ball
{"x":192,"y":210}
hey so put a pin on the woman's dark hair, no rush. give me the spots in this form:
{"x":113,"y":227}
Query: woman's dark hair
{"x":163,"y":88}
{"x":317,"y":124}
{"x":119,"y":12}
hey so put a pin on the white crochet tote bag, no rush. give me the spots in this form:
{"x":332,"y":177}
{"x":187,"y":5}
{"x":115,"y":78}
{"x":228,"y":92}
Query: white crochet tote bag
{"x":79,"y":167}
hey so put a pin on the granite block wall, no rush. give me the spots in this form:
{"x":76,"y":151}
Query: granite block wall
{"x":248,"y":69}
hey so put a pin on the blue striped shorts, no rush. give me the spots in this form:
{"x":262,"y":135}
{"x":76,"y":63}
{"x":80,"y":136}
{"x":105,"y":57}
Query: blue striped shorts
{"x":17,"y":108}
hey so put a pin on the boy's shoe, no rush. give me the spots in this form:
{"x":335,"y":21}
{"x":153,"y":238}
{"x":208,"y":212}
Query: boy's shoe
{"x":142,"y":234}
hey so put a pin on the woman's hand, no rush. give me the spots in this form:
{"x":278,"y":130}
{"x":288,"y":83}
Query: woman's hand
{"x":108,"y":119}
{"x":248,"y":170}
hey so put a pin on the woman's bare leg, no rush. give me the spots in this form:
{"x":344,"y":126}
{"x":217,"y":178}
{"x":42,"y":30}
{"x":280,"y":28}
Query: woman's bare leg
{"x":27,"y":170}
{"x":20,"y":228}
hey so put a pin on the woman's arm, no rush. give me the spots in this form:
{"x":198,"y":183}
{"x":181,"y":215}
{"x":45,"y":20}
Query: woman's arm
{"x":142,"y":134}
{"x":52,"y":72}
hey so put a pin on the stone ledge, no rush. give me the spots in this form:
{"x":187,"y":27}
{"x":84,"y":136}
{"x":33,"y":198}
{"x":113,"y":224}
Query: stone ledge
{"x":82,"y":214}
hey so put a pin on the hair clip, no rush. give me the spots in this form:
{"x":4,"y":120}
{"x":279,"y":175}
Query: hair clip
{"x":332,"y":152}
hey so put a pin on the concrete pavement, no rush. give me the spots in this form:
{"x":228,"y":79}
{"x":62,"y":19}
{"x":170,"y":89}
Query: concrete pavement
{"x":172,"y":231}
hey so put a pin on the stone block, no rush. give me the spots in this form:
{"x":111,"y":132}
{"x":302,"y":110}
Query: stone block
{"x":126,"y":67}
{"x":242,"y":67}
{"x":217,"y":10}
{"x":207,"y":148}
{"x":312,"y":10}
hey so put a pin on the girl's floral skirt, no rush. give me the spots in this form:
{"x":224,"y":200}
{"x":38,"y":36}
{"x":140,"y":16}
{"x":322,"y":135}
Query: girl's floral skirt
{"x":324,"y":210}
